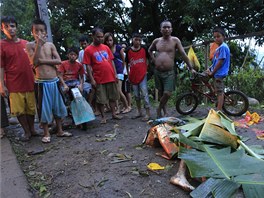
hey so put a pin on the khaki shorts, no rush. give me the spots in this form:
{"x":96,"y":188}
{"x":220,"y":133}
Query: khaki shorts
{"x":106,"y":92}
{"x":219,"y":85}
{"x":22,"y":103}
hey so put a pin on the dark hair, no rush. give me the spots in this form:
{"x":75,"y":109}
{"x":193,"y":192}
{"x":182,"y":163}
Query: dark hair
{"x":8,"y":19}
{"x":84,"y":38}
{"x":107,"y":35}
{"x":39,"y":22}
{"x":136,"y":35}
{"x":73,"y":49}
{"x":220,"y":30}
{"x":97,"y":29}
{"x":165,"y":21}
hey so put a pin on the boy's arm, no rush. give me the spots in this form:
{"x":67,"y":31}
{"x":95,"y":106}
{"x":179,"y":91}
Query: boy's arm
{"x":33,"y":53}
{"x":90,"y":75}
{"x":127,"y":61}
{"x":122,"y":54}
{"x":152,"y":48}
{"x":60,"y":76}
{"x":217,"y":67}
{"x":55,"y":57}
{"x":81,"y":82}
{"x":113,"y":64}
{"x":3,"y":89}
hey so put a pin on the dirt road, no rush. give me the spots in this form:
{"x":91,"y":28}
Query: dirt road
{"x":105,"y":161}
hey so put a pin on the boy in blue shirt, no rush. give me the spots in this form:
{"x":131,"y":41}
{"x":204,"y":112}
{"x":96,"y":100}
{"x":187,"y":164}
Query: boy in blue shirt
{"x":220,"y":67}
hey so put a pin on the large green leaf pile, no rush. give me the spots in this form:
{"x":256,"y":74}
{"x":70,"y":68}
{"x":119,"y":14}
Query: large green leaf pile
{"x":227,"y":167}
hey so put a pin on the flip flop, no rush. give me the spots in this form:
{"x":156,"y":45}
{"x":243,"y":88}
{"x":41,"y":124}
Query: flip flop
{"x":145,"y":119}
{"x":45,"y":140}
{"x":126,"y":110}
{"x":103,"y":121}
{"x":116,"y":117}
{"x":65,"y":134}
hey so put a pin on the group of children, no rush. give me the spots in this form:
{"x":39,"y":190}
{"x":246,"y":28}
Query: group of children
{"x":33,"y":75}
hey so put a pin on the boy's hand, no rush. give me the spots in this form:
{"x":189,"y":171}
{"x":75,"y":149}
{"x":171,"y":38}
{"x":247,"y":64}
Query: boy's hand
{"x":42,"y":38}
{"x":93,"y":83}
{"x":3,"y":91}
{"x":80,"y":87}
{"x":66,"y":88}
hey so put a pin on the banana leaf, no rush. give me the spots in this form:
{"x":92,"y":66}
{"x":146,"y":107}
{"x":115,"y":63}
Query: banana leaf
{"x":215,"y":188}
{"x":252,"y":188}
{"x":191,"y":130}
{"x":214,"y":130}
{"x":235,"y":167}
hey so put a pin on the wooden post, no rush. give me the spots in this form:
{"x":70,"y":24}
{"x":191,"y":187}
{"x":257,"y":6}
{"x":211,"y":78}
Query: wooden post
{"x":44,"y":15}
{"x":207,"y":49}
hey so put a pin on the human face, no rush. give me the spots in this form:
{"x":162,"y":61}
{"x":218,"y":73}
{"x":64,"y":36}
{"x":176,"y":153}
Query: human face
{"x":9,"y":29}
{"x":110,"y":41}
{"x":83,"y":44}
{"x":98,"y":38}
{"x":72,"y":56}
{"x":218,"y":38}
{"x":166,"y":28}
{"x":136,"y":42}
{"x":39,"y":31}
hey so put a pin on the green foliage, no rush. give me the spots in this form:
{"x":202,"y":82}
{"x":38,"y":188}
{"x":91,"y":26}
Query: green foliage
{"x":250,"y":81}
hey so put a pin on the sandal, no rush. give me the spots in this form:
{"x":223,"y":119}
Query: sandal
{"x":65,"y":134}
{"x":116,"y":117}
{"x":103,"y":121}
{"x":45,"y":139}
{"x":126,"y":110}
{"x":137,"y":116}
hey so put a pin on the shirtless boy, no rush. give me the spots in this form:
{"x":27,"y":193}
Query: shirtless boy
{"x":44,"y":57}
{"x":163,"y":58}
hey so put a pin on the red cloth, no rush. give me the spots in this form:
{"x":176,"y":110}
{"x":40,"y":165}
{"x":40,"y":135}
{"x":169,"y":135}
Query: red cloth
{"x":71,"y":71}
{"x":137,"y":61}
{"x":19,"y":75}
{"x":100,"y":59}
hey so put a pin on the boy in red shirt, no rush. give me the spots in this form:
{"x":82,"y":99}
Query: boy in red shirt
{"x":72,"y":71}
{"x":136,"y":59}
{"x":16,"y":77}
{"x":99,"y":59}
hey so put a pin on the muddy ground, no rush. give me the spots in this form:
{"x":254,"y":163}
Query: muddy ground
{"x":105,"y":161}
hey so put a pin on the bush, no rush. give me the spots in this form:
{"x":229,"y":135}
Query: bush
{"x":250,"y":81}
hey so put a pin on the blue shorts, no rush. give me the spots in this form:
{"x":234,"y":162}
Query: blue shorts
{"x":87,"y":87}
{"x":50,"y":102}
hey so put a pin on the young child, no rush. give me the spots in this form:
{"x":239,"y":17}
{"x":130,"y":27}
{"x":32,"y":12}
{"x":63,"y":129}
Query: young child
{"x":44,"y":57}
{"x":72,"y":71}
{"x":136,"y":58}
{"x":16,"y":77}
{"x":220,"y":67}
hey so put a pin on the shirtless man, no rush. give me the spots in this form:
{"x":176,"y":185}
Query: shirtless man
{"x":44,"y":57}
{"x":163,"y":58}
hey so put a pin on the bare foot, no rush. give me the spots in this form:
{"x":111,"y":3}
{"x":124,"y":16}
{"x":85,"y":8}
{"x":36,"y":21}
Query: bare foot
{"x":182,"y":182}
